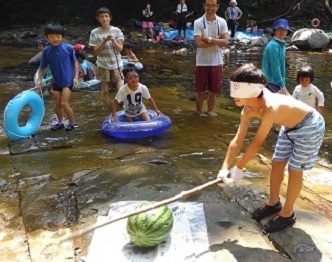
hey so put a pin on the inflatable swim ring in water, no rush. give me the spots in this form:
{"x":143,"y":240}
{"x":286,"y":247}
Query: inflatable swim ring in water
{"x":138,"y":65}
{"x":137,"y":129}
{"x":315,"y":23}
{"x":13,"y":129}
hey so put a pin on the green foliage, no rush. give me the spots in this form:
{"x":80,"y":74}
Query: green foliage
{"x":299,"y":13}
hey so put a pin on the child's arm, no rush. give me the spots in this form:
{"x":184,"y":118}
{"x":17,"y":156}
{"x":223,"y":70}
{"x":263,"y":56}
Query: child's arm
{"x":132,"y":58}
{"x":40,"y":77}
{"x":320,"y":100}
{"x":76,"y":71}
{"x":189,"y":14}
{"x":236,"y":144}
{"x":154,"y":106}
{"x":115,"y":105}
{"x":320,"y":109}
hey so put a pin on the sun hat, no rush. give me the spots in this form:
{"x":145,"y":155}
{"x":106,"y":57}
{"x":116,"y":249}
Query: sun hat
{"x":233,"y":2}
{"x":282,"y":23}
{"x":42,"y":42}
{"x":78,"y":47}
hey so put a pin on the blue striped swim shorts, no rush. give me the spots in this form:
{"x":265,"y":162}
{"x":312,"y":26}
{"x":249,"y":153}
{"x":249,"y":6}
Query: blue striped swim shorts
{"x":300,"y":145}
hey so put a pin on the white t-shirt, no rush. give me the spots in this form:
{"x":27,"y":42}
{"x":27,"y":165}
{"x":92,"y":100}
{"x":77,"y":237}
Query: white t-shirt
{"x":310,"y":95}
{"x":107,"y":58}
{"x":211,"y":56}
{"x":133,"y":100}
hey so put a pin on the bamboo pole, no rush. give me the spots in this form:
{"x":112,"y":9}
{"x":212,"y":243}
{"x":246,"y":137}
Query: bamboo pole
{"x":173,"y":199}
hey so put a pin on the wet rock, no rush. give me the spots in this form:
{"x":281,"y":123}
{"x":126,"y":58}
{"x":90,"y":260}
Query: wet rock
{"x":159,"y":162}
{"x":34,"y":181}
{"x":50,"y":206}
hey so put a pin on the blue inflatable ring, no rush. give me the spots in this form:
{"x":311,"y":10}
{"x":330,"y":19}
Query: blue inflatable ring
{"x":12,"y":112}
{"x":137,"y":129}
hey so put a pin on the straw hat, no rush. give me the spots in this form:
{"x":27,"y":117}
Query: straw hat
{"x":233,"y":2}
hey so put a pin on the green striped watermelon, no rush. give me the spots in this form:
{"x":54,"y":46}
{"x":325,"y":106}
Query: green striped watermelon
{"x":150,"y":228}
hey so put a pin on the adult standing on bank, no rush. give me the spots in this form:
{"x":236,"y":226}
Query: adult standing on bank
{"x":211,"y":33}
{"x":147,"y":24}
{"x":107,"y":43}
{"x":232,"y":15}
{"x":182,"y":12}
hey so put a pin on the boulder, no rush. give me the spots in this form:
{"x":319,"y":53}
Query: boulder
{"x":307,"y":39}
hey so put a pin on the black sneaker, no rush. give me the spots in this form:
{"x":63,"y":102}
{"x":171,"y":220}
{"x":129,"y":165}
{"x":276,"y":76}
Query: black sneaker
{"x":278,"y":222}
{"x":70,"y":127}
{"x":57,"y":126}
{"x":265,"y":211}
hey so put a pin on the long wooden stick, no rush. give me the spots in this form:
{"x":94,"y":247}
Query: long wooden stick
{"x":183,"y":194}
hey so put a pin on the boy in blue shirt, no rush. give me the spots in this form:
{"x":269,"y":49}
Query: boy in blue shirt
{"x":64,"y":67}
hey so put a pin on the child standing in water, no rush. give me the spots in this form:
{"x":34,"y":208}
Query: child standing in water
{"x":132,"y":94}
{"x":64,"y":67}
{"x":107,"y":43}
{"x":298,"y":143}
{"x":306,"y":92}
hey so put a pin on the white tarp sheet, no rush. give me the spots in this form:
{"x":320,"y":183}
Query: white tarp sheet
{"x":188,"y":240}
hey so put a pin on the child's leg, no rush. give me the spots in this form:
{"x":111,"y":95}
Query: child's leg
{"x":119,"y":83}
{"x":295,"y":182}
{"x":65,"y":95}
{"x":58,"y":108}
{"x":129,"y":119}
{"x":144,"y":116}
{"x":276,"y":178}
{"x":105,"y":92}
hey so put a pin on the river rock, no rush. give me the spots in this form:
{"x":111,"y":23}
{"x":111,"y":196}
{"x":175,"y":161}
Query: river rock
{"x":310,"y":39}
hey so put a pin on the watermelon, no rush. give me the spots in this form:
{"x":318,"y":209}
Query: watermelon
{"x":150,"y":228}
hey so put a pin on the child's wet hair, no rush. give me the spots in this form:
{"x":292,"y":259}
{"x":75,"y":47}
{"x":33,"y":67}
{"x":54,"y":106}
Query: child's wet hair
{"x":80,"y":54}
{"x":128,"y":46}
{"x":103,"y":10}
{"x":305,"y":71}
{"x":54,"y":28}
{"x":128,"y":69}
{"x":248,"y":73}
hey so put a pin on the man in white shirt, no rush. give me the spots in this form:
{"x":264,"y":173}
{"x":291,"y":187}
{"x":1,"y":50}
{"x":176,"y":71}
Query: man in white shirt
{"x":211,"y":34}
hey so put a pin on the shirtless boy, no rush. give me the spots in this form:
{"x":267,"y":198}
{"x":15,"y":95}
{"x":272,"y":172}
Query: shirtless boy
{"x":298,"y":142}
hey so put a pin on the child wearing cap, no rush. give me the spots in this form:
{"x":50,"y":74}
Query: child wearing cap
{"x":274,"y":59}
{"x":41,"y":43}
{"x":298,"y":142}
{"x":274,"y":63}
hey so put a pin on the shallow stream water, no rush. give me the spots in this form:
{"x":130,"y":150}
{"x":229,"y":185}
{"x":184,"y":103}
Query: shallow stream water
{"x":191,"y":139}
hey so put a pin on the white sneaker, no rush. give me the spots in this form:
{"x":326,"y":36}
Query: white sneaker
{"x":212,"y":114}
{"x":202,"y":114}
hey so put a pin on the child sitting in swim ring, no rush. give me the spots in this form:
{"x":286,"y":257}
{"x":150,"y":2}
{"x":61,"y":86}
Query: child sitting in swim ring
{"x":132,"y":94}
{"x":130,"y":56}
{"x":86,"y":72}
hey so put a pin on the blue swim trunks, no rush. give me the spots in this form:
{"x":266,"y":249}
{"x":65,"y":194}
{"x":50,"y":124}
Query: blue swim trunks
{"x":300,"y":144}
